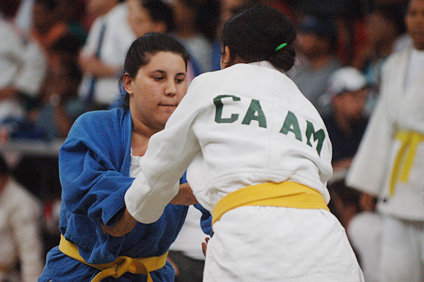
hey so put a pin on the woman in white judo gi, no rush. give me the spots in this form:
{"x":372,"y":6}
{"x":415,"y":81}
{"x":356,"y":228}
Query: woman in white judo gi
{"x":390,"y":159}
{"x":258,"y":156}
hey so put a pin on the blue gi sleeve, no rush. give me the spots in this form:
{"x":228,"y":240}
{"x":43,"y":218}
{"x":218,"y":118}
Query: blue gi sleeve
{"x":91,"y":163}
{"x":94,"y":172}
{"x":205,"y":220}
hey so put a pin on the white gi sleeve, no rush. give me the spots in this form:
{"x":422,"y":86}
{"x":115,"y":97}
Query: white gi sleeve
{"x":368,"y":168}
{"x":168,"y":155}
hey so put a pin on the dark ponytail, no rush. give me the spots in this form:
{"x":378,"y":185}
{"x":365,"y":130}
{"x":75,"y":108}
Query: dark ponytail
{"x":254,"y":34}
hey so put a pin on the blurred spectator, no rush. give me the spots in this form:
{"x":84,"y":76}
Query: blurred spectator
{"x":155,"y":16}
{"x":47,"y":27}
{"x":103,"y":53}
{"x":72,"y":13}
{"x":332,"y":7}
{"x":345,"y":201}
{"x":389,"y":163}
{"x":66,"y":49}
{"x":20,"y":225}
{"x":365,"y":233}
{"x":149,"y":16}
{"x":57,"y":109}
{"x":187,"y":30}
{"x":9,"y":8}
{"x":384,"y":27}
{"x":346,"y":121}
{"x":356,"y":212}
{"x":143,"y":16}
{"x":52,"y":120}
{"x":208,"y":18}
{"x":23,"y":16}
{"x":22,"y":70}
{"x":60,"y":105}
{"x":228,"y":9}
{"x":316,"y":44}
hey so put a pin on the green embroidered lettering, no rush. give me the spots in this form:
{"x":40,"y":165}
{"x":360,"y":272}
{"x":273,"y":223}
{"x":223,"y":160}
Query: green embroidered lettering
{"x":255,"y":113}
{"x":219,"y":107}
{"x":318,"y":136}
{"x":291,"y":125}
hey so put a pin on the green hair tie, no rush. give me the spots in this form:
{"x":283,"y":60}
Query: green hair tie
{"x":281,"y":46}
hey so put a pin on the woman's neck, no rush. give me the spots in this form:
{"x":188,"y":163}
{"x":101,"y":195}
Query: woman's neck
{"x":140,"y":136}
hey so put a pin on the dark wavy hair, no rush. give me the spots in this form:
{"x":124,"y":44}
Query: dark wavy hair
{"x":255,"y":33}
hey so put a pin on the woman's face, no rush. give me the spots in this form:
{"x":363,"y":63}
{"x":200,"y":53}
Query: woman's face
{"x":157,"y":89}
{"x":415,"y":23}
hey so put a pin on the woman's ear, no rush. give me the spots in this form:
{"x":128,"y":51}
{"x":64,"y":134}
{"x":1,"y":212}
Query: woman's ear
{"x":225,"y":57}
{"x":128,"y":83}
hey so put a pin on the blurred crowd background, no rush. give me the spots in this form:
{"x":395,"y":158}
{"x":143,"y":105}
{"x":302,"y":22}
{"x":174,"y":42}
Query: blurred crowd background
{"x":61,"y":58}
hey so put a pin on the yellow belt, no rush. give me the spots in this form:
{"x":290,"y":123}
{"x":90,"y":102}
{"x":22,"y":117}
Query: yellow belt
{"x":118,"y":267}
{"x":405,"y":156}
{"x":285,"y":194}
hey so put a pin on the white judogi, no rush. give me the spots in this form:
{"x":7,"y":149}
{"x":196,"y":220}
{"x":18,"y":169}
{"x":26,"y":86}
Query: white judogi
{"x":22,"y":66}
{"x":241,"y":126}
{"x":400,"y":108}
{"x":20,"y":238}
{"x":118,"y":37}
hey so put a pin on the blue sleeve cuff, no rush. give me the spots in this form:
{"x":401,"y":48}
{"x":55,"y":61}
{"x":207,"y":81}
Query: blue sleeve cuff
{"x":205,"y":220}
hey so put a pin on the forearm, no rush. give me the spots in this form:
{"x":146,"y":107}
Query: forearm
{"x":126,"y":222}
{"x":104,"y":70}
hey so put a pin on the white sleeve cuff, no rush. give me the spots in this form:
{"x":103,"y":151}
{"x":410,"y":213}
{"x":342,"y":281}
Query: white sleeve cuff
{"x":145,"y":204}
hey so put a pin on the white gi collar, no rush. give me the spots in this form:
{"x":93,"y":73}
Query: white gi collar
{"x":266,"y":64}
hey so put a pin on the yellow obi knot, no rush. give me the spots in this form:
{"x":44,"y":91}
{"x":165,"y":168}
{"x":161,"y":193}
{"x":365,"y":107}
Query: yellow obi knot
{"x":118,"y":267}
{"x":405,"y":156}
{"x":285,"y":194}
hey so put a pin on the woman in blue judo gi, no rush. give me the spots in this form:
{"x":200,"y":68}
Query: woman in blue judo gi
{"x":98,"y":163}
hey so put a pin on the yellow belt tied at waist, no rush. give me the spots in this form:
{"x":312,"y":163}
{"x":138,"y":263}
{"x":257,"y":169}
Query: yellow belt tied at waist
{"x":118,"y":267}
{"x":285,"y":194}
{"x":405,"y":156}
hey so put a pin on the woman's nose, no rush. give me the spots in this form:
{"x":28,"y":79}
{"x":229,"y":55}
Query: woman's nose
{"x":171,"y":89}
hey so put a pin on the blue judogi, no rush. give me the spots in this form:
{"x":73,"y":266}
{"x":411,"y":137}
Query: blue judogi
{"x":94,"y":165}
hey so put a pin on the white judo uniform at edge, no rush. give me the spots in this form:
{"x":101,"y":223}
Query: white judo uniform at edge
{"x":400,"y":108}
{"x":224,"y":157}
{"x":404,"y":111}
